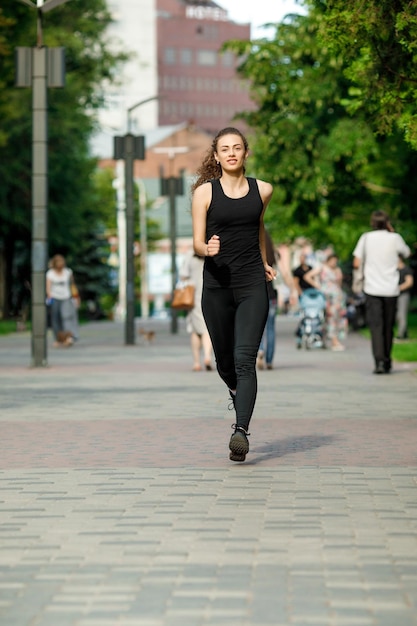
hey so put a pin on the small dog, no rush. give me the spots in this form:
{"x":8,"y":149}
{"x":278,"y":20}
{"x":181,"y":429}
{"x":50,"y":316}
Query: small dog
{"x":148,"y":335}
{"x":64,"y":338}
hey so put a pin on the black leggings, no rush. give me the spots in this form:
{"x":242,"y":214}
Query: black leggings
{"x":380,"y":317}
{"x":236,"y":320}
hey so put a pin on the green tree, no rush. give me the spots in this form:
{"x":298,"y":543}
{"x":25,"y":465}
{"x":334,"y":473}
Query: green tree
{"x":328,"y":167}
{"x":75,"y":211}
{"x":104,"y":185}
{"x":92,"y":273}
{"x":377,"y":40}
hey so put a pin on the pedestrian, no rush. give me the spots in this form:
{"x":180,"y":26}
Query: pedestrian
{"x":406,"y":282}
{"x":328,"y":279}
{"x":279,"y":260}
{"x":378,"y":250}
{"x":266,"y":350}
{"x":228,"y":210}
{"x":299,"y":274}
{"x":192,"y":271}
{"x":61,"y":291}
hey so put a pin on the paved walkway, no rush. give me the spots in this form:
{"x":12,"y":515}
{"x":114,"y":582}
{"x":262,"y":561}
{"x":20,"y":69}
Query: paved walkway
{"x":119,"y":506}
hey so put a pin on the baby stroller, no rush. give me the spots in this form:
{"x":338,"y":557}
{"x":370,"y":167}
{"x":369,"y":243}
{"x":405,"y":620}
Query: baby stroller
{"x":310,"y":331}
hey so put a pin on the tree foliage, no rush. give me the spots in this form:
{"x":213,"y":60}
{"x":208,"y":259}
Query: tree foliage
{"x":328,"y":167}
{"x":377,"y":40}
{"x":74,"y":208}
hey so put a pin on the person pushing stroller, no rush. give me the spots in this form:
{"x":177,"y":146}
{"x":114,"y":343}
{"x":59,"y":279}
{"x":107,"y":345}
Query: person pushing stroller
{"x":310,"y":332}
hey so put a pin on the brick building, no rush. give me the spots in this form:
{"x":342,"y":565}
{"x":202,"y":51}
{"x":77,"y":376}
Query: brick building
{"x":176,"y":63}
{"x":170,"y":151}
{"x":198,"y":83}
{"x":176,"y":57}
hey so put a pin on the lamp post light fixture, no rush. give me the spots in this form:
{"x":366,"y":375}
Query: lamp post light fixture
{"x":40,"y":67}
{"x":136,"y":106}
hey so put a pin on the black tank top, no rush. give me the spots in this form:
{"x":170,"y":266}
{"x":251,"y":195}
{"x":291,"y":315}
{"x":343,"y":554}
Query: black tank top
{"x":236,"y":221}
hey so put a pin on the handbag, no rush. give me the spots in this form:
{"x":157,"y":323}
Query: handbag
{"x":183,"y":297}
{"x":358,"y":279}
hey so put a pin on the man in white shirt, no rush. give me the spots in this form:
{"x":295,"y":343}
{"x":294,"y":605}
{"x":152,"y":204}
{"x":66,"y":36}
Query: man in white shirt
{"x":379,"y":250}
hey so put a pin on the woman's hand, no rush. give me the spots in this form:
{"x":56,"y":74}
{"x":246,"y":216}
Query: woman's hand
{"x":270,"y":273}
{"x":213,"y":246}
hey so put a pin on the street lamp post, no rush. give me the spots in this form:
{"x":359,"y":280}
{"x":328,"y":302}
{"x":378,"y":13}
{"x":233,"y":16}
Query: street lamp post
{"x":128,"y":148}
{"x":142,"y":222}
{"x":172,"y":187}
{"x":144,"y":301}
{"x":40,"y":67}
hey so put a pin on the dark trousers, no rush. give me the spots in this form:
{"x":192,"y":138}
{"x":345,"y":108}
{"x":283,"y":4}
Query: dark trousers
{"x":380,"y":317}
{"x":267,"y":344}
{"x":235,"y":320}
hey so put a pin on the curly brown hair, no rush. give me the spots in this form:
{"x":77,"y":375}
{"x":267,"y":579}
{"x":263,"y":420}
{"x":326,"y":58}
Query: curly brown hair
{"x":210,"y":169}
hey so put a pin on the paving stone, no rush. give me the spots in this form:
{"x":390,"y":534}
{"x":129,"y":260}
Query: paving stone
{"x":115,"y":512}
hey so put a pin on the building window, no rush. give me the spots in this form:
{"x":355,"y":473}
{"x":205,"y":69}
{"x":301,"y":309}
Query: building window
{"x":210,"y":31}
{"x":186,"y":56}
{"x":227,"y":85}
{"x":169,"y":56}
{"x":207,"y":57}
{"x":228,"y":59}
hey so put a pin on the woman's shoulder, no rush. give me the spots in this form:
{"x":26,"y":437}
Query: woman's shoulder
{"x":202,"y":197}
{"x":265,"y":189}
{"x":204,"y":190}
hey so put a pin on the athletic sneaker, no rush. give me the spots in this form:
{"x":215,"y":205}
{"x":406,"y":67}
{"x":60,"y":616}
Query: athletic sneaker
{"x":239,"y":444}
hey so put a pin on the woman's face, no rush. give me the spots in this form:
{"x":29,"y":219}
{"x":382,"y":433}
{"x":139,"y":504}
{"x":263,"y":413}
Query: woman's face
{"x":231,"y":152}
{"x":59,"y":263}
